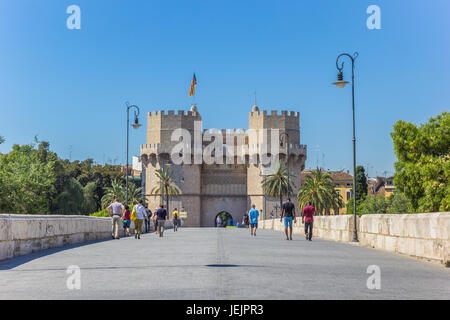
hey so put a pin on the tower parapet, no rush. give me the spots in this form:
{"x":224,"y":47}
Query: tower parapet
{"x":160,"y":125}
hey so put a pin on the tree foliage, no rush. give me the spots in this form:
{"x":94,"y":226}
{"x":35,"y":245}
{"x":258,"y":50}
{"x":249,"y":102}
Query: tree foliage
{"x":423,"y":163}
{"x":319,"y":189}
{"x":277,"y":184}
{"x":118,"y":189}
{"x":361,"y":183}
{"x":33,"y":179}
{"x":26,"y":180}
{"x":166,"y":188}
{"x":396,"y":203}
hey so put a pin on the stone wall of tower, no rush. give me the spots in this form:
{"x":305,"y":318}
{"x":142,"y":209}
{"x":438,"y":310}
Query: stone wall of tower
{"x":235,"y":187}
{"x":288,"y":122}
{"x":156,"y":153}
{"x":161,"y":125}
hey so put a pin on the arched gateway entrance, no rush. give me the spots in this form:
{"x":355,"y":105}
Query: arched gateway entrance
{"x":225,"y":216}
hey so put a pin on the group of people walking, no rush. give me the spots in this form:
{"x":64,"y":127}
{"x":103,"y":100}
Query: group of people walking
{"x":288,"y":214}
{"x":141,"y":216}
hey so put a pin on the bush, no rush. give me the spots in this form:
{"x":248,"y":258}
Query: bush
{"x":101,"y":213}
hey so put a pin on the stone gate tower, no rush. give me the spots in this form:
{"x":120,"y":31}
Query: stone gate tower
{"x":208,"y":189}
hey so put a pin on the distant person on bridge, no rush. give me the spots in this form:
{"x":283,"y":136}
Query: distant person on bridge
{"x":308,"y":219}
{"x":245,"y":219}
{"x":161,"y":218}
{"x":219,"y":221}
{"x":175,"y":220}
{"x":155,"y":220}
{"x":253,"y":215}
{"x":140,"y":217}
{"x":115,"y":210}
{"x":148,"y":215}
{"x":288,"y":212}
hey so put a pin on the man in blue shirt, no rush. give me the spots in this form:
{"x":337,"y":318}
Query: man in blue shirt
{"x":253,"y":215}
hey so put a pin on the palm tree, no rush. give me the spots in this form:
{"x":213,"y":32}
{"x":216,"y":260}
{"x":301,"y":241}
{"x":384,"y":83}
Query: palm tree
{"x":118,"y":190}
{"x":319,"y":189}
{"x":276,"y":184}
{"x":166,"y":187}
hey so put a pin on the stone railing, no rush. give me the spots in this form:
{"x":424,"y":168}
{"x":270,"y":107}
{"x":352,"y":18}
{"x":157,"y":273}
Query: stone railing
{"x":23,"y":234}
{"x":425,"y":235}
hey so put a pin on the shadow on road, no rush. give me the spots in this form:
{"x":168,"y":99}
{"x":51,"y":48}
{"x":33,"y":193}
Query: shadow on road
{"x":17,"y":261}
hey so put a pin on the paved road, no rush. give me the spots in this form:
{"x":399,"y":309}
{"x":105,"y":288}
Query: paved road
{"x":213,"y":263}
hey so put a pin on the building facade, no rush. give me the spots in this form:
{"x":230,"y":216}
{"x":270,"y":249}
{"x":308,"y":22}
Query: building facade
{"x":208,"y":189}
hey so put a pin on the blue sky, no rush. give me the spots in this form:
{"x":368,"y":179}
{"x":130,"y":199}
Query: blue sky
{"x":70,"y":86}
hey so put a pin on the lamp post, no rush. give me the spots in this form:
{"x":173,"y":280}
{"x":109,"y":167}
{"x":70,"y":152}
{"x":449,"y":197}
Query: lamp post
{"x":286,"y":138}
{"x":135,"y":125}
{"x":341,"y":84}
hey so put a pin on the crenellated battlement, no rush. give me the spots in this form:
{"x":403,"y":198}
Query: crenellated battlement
{"x":172,"y":114}
{"x":274,"y":114}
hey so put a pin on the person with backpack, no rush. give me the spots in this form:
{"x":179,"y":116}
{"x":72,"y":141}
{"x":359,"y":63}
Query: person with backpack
{"x":139,"y":210}
{"x":126,"y":221}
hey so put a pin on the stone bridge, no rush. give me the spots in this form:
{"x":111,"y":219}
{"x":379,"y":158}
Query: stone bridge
{"x":40,"y":254}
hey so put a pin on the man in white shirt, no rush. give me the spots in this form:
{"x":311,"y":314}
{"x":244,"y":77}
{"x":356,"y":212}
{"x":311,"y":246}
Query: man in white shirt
{"x":115,"y":210}
{"x":140,"y":216}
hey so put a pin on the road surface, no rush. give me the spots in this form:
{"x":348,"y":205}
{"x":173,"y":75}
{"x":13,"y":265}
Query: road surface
{"x":209,"y":263}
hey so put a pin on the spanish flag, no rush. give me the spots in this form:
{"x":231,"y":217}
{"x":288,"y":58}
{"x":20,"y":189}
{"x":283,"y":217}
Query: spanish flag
{"x":193,"y":84}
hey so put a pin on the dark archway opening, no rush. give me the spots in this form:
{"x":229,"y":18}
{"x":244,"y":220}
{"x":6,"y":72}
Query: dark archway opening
{"x":227,"y":219}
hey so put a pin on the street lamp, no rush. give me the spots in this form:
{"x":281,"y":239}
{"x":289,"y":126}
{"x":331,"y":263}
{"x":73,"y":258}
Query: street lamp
{"x":341,"y":84}
{"x":286,"y":137}
{"x":135,"y":125}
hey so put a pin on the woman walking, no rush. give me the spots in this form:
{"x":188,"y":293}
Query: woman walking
{"x":126,"y":221}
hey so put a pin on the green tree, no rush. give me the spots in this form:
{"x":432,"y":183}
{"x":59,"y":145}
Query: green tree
{"x":361,"y":183}
{"x":71,"y":200}
{"x":398,"y":203}
{"x":2,"y":139}
{"x":276,"y":185}
{"x":422,"y":170}
{"x":26,"y":180}
{"x":118,"y":189}
{"x":166,"y":188}
{"x":89,"y":195}
{"x":319,"y":189}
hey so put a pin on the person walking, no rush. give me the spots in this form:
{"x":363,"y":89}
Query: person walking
{"x":155,"y":220}
{"x":161,"y":218}
{"x":126,"y":221}
{"x":245,"y":219}
{"x":253,"y":216}
{"x":148,"y":215}
{"x":115,"y":210}
{"x":288,"y":212}
{"x":140,"y":217}
{"x":175,"y":219}
{"x":218,"y":221}
{"x":308,"y":219}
